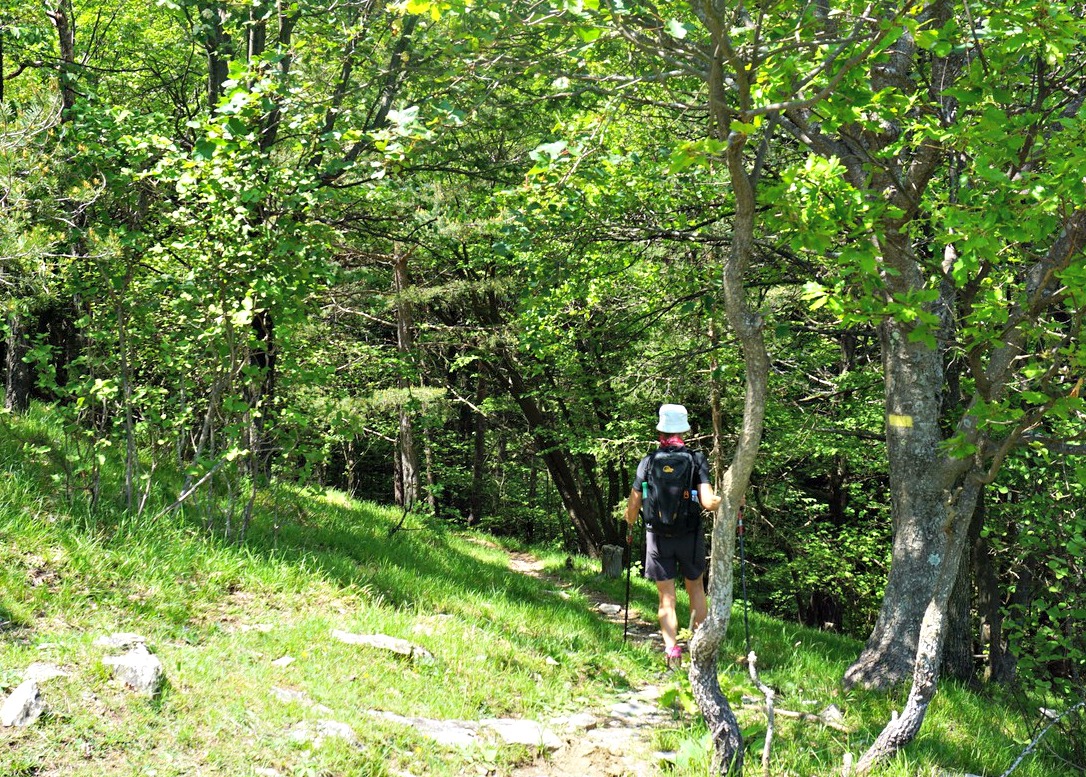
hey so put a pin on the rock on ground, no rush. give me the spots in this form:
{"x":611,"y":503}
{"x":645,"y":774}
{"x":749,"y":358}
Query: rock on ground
{"x":23,"y":706}
{"x":385,"y":642}
{"x":138,"y":669}
{"x":317,"y":732}
{"x":41,"y":671}
{"x":461,"y":733}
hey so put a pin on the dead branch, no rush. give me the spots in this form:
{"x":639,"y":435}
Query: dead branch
{"x":770,"y":695}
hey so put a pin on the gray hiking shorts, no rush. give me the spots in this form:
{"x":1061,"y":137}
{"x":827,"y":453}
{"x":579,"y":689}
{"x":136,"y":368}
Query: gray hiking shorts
{"x":665,"y":557}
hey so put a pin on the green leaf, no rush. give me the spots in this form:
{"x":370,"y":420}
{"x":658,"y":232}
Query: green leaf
{"x":204,"y":149}
{"x":588,"y":34}
{"x":677,"y":29}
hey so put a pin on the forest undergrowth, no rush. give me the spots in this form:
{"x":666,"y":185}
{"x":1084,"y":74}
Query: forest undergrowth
{"x":235,"y":623}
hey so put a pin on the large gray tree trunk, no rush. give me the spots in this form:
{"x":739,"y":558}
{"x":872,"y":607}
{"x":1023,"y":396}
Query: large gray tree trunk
{"x":903,"y":729}
{"x":913,"y":379}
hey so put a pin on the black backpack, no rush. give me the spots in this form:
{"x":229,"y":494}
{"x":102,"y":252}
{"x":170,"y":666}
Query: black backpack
{"x":670,"y":505}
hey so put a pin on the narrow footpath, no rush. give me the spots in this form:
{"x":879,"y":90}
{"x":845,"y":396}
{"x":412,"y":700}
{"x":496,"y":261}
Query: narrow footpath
{"x":616,"y":739}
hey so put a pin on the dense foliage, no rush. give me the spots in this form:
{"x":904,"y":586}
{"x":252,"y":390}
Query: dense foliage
{"x":452,"y":255}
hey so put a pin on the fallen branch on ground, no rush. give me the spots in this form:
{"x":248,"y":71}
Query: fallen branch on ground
{"x":1037,"y":739}
{"x":828,"y":717}
{"x":770,"y":694}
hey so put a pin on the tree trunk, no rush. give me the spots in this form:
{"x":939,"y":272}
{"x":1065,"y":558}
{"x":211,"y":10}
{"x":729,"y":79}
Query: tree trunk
{"x":218,"y":47}
{"x":1000,"y":667}
{"x":748,"y":328}
{"x":261,"y":392}
{"x":405,"y":345}
{"x":478,"y":456}
{"x":17,"y":375}
{"x":913,"y":378}
{"x":903,"y":729}
{"x":60,"y":12}
{"x":577,"y":489}
{"x":958,"y":647}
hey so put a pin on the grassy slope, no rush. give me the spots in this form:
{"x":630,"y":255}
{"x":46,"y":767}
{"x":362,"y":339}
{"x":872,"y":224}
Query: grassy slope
{"x":505,"y":644}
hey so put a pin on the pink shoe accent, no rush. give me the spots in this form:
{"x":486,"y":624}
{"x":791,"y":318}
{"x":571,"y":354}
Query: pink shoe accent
{"x":673,"y":656}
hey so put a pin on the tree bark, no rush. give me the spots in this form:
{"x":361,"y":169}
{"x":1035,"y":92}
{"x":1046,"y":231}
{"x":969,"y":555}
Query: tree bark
{"x":405,"y":345}
{"x":217,"y":46}
{"x":903,"y":729}
{"x":60,"y":13}
{"x":958,"y":646}
{"x":478,"y":456}
{"x":913,"y":378}
{"x":17,"y":375}
{"x":989,"y":610}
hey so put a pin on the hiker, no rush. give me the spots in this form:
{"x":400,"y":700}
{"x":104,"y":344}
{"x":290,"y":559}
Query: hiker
{"x":675,"y":545}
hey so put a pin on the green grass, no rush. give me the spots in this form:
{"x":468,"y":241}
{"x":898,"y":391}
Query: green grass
{"x":219,"y":614}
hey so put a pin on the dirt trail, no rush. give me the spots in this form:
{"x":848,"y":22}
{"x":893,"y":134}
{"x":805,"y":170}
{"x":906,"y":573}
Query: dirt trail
{"x":618,"y":743}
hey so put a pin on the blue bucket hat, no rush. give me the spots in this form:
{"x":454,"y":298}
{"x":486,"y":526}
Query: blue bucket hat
{"x":673,"y":419}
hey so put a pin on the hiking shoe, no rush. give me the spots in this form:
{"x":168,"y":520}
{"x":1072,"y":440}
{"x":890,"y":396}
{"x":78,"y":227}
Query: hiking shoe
{"x":673,"y":656}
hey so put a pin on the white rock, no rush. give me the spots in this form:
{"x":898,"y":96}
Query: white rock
{"x":610,"y":609}
{"x":581,"y":721}
{"x":832,"y":714}
{"x":514,"y":731}
{"x":634,"y":709}
{"x":385,"y":642}
{"x":286,"y":696}
{"x":284,"y":661}
{"x":451,"y":733}
{"x":23,"y":706}
{"x":39,"y":672}
{"x":321,"y":730}
{"x":138,"y":669}
{"x":120,"y":640}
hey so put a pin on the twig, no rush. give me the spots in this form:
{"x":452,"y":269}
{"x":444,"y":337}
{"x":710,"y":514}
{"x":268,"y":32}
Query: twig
{"x":810,"y":717}
{"x":769,"y":694}
{"x":192,"y":489}
{"x":1037,"y":739}
{"x":397,"y":527}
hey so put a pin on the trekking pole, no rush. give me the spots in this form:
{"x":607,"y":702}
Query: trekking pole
{"x":629,"y":567}
{"x":743,"y":572}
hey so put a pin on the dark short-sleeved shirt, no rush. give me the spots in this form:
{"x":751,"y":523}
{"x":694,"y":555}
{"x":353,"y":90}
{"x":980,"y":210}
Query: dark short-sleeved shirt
{"x":701,"y":468}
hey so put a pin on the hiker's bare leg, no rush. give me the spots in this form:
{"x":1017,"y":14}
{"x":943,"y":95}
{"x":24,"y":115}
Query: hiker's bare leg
{"x":698,"y":606}
{"x":669,"y":621}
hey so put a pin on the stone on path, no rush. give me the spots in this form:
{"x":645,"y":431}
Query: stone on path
{"x":23,"y":706}
{"x":452,"y":733}
{"x":384,"y":642}
{"x":579,"y":721}
{"x":513,"y":731}
{"x":610,"y":609}
{"x":319,"y":731}
{"x":138,"y":669}
{"x":286,"y":695}
{"x":462,"y":733}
